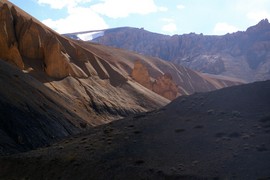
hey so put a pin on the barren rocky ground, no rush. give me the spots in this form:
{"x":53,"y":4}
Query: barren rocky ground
{"x":223,"y":134}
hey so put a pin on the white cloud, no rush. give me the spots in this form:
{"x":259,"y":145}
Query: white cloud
{"x":248,"y":5}
{"x":167,"y":20}
{"x":162,"y":9}
{"x":82,"y":18}
{"x":123,"y":8}
{"x":79,"y":19}
{"x":170,"y":27}
{"x":258,"y":15}
{"x":180,"y":6}
{"x":59,"y":4}
{"x":253,"y":10}
{"x":223,"y":28}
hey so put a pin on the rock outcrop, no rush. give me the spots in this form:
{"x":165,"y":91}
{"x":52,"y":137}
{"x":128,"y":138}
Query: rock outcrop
{"x":56,"y":61}
{"x":24,"y":37}
{"x":165,"y":86}
{"x":8,"y":43}
{"x":141,"y":75}
{"x":243,"y":55}
{"x":162,"y":85}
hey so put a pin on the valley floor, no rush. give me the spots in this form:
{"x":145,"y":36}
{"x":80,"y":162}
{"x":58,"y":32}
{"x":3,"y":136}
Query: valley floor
{"x":218,"y":135}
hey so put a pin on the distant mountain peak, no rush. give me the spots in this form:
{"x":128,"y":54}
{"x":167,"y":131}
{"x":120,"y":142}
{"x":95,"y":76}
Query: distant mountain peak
{"x":264,"y":21}
{"x":263,"y":25}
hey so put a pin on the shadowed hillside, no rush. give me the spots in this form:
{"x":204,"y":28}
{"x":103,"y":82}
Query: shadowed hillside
{"x":32,"y":115}
{"x":223,"y":134}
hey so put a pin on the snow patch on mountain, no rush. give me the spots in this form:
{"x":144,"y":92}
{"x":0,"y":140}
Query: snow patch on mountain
{"x":85,"y":36}
{"x":90,"y":36}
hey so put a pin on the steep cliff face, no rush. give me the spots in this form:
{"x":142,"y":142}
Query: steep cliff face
{"x":243,"y":55}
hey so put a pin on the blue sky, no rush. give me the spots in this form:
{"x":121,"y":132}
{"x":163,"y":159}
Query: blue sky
{"x":211,"y":17}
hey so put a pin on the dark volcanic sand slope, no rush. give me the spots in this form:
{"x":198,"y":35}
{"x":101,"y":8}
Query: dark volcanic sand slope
{"x":218,"y":135}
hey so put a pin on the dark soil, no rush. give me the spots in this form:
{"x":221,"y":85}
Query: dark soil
{"x":228,"y":137}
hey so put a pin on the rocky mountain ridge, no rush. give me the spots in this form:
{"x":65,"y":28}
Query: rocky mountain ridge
{"x":243,"y":55}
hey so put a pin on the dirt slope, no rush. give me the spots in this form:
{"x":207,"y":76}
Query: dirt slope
{"x":32,"y":115}
{"x":217,"y":135}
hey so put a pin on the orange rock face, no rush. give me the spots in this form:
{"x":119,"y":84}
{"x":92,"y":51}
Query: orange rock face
{"x":141,"y":75}
{"x":163,"y":85}
{"x":8,"y":44}
{"x":22,"y":37}
{"x":56,"y":61}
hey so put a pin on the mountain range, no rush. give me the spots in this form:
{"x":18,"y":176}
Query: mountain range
{"x":243,"y":55}
{"x":72,"y":109}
